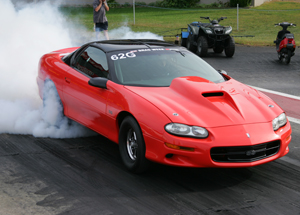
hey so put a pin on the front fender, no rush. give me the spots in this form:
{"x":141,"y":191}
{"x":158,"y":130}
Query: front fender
{"x":149,"y":117}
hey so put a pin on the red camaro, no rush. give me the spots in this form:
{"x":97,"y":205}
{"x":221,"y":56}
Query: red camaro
{"x":162,"y":103}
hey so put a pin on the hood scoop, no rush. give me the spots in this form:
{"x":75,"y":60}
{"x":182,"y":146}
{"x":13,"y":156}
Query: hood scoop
{"x":214,"y":94}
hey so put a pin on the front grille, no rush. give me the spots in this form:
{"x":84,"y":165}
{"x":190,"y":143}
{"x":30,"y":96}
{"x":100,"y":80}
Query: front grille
{"x":245,"y":153}
{"x":219,"y":31}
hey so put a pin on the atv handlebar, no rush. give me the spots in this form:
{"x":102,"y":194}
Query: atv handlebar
{"x":286,"y":24}
{"x":222,"y":18}
{"x":207,"y":17}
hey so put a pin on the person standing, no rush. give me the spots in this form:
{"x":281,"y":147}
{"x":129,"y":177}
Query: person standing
{"x":100,"y":20}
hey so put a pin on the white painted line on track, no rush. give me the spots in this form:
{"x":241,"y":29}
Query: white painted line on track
{"x":294,"y":120}
{"x":275,"y":92}
{"x":291,"y":119}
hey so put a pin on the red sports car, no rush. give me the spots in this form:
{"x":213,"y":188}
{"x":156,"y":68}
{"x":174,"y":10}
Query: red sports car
{"x":162,"y":103}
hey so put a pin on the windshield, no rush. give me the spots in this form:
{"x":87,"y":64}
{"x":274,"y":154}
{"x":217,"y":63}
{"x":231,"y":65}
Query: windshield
{"x":158,"y":67}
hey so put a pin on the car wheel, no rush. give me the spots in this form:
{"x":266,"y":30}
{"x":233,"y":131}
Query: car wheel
{"x":132,"y":146}
{"x":286,"y":57}
{"x":202,"y":46}
{"x":229,"y":50}
{"x":189,"y":44}
{"x":218,"y":49}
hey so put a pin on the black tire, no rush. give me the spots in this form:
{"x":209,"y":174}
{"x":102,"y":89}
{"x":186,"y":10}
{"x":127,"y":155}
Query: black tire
{"x":202,"y":46}
{"x":189,"y":44}
{"x":183,"y":41}
{"x":287,"y":57}
{"x":279,"y":56}
{"x":132,"y":146}
{"x":218,"y":49}
{"x":230,"y":48}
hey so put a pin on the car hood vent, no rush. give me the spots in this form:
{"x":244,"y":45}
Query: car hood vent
{"x":214,"y":94}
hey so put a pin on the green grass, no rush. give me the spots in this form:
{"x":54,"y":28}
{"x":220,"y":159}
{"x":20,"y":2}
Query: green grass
{"x":258,"y":21}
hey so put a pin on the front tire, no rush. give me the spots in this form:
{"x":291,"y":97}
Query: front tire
{"x":189,"y":44}
{"x":132,"y":146}
{"x":229,"y":50}
{"x":202,"y":46}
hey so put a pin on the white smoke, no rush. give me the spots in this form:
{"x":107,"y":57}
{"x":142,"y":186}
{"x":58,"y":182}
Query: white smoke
{"x":26,"y":34}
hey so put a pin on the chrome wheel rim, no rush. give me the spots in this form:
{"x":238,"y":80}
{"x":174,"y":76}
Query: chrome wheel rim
{"x":132,"y":145}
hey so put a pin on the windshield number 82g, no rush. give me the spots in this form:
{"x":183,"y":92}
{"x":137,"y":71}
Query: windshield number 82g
{"x":122,"y":56}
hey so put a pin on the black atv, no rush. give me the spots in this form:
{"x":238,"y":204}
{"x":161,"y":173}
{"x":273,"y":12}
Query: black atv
{"x":199,"y":37}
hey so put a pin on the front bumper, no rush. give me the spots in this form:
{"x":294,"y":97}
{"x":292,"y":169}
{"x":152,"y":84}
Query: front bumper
{"x":221,"y":137}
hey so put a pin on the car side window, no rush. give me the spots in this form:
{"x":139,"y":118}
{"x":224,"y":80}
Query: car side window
{"x":92,"y":62}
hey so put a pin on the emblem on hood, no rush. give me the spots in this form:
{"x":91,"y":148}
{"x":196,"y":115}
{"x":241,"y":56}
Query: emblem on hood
{"x":248,"y":135}
{"x":175,"y":114}
{"x":271,"y":106}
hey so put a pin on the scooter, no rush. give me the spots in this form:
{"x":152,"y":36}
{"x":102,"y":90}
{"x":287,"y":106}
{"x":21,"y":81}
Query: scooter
{"x":285,"y":43}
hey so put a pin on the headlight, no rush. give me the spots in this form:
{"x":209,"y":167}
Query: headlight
{"x":185,"y":130}
{"x":279,"y":121}
{"x":208,"y":31}
{"x":228,"y":31}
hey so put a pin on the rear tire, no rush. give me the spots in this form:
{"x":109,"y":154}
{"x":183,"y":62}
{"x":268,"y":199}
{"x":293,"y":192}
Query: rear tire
{"x":287,"y":57}
{"x":132,"y":146}
{"x":279,"y":56}
{"x":202,"y":46}
{"x":229,"y":50}
{"x":52,"y":104}
{"x":189,"y":44}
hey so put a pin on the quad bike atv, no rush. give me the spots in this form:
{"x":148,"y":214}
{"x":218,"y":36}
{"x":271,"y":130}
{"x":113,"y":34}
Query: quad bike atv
{"x":199,"y":37}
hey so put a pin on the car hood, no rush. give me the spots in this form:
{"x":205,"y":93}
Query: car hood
{"x":197,"y":101}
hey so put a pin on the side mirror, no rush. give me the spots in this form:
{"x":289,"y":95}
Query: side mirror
{"x":222,"y":72}
{"x":98,"y":82}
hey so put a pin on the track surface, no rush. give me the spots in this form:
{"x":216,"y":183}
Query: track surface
{"x":86,"y":176}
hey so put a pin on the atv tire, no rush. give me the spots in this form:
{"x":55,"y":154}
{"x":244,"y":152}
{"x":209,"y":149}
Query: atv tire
{"x":218,"y":49}
{"x":230,"y":48}
{"x":202,"y":46}
{"x":189,"y":44}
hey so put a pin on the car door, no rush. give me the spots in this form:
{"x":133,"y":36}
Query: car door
{"x":84,"y":103}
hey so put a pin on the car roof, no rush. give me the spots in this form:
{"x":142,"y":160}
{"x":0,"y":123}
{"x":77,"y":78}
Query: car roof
{"x":130,"y":44}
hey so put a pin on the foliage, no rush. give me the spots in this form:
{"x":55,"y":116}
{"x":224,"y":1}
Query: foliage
{"x":242,"y":3}
{"x":113,"y":3}
{"x":138,"y":3}
{"x":127,"y":4}
{"x":179,"y":3}
{"x":218,"y":4}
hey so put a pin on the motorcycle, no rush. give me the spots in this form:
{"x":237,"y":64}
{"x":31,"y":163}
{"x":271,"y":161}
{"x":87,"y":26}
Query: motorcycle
{"x":285,"y":43}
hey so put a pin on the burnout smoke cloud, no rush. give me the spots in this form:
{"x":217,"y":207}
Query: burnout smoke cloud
{"x":26,"y":34}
